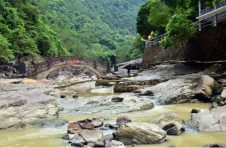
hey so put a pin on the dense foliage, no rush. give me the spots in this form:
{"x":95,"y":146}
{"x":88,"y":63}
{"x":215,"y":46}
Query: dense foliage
{"x":133,"y":49}
{"x":156,"y":14}
{"x":178,"y":30}
{"x":23,"y":33}
{"x":95,"y":28}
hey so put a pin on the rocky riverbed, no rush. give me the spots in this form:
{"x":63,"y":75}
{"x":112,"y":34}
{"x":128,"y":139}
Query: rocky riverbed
{"x":163,"y":106}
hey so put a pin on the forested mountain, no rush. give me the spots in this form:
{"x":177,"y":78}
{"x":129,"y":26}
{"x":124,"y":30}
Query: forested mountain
{"x":92,"y":27}
{"x":95,"y":28}
{"x":22,"y":32}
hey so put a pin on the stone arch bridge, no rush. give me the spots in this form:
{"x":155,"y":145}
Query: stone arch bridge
{"x":43,"y":69}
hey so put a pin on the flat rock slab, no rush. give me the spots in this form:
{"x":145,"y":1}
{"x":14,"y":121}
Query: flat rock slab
{"x":23,"y":105}
{"x":210,"y":120}
{"x":165,"y":71}
{"x":104,"y":104}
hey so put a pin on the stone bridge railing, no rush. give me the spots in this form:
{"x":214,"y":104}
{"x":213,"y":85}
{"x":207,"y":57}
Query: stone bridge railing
{"x":36,"y":68}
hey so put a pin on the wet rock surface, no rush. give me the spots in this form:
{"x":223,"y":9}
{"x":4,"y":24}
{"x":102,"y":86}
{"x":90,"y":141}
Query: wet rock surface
{"x":21,"y":105}
{"x":127,"y":133}
{"x":170,"y":123}
{"x":209,"y":120}
{"x":80,"y":136}
{"x":165,"y":72}
{"x":140,"y":133}
{"x":172,"y":91}
{"x":38,"y":103}
{"x":204,"y":88}
{"x":104,"y":104}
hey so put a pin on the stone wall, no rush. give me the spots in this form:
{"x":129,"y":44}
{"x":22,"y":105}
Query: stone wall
{"x":156,"y":54}
{"x":208,"y":45}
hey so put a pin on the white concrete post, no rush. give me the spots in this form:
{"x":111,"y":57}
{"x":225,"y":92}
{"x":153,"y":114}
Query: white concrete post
{"x":200,"y":21}
{"x":215,"y":17}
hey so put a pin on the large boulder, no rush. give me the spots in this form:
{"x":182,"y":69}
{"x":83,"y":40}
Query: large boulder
{"x":204,"y":88}
{"x":213,"y":120}
{"x":172,"y":92}
{"x":170,"y":123}
{"x":140,"y":133}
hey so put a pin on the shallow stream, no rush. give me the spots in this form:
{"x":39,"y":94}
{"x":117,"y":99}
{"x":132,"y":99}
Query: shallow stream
{"x":52,"y":137}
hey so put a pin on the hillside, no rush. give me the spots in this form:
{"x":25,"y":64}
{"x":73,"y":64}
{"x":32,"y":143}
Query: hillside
{"x":22,"y":32}
{"x":89,"y":27}
{"x":40,"y":28}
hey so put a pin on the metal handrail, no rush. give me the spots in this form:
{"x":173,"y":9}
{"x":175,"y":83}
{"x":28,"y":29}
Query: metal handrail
{"x":221,"y":4}
{"x":155,"y":41}
{"x":207,"y":9}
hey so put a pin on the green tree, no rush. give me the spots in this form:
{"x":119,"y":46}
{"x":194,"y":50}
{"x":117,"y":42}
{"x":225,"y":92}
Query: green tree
{"x":153,"y":16}
{"x":159,"y":15}
{"x":6,"y":53}
{"x":133,"y":49}
{"x":178,"y":30}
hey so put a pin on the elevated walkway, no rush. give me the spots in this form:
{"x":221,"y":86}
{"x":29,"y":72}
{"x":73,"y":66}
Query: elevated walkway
{"x":208,"y":17}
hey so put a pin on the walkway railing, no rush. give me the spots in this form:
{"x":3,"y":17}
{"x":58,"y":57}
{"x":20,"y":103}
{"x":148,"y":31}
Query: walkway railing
{"x":219,"y":5}
{"x":156,"y":41}
{"x":204,"y":24}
